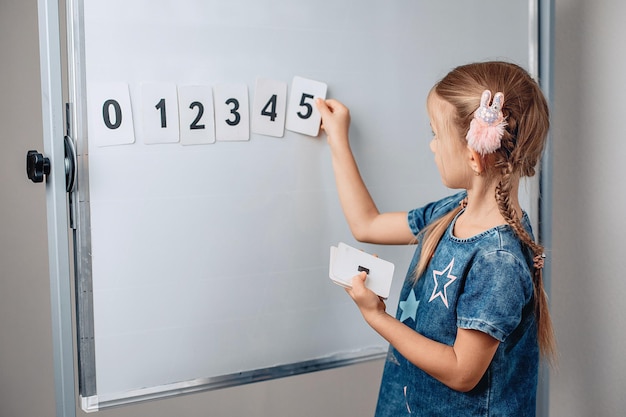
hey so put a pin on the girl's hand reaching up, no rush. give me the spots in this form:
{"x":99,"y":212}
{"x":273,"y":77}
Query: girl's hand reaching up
{"x":335,"y":119}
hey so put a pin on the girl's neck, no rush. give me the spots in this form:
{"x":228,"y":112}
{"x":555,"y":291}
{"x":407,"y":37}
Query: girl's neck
{"x":482,"y":212}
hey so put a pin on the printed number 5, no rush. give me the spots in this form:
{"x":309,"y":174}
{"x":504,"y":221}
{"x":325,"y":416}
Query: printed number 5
{"x":303,"y":103}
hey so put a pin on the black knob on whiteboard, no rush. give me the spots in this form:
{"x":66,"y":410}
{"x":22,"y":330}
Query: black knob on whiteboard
{"x":37,"y":166}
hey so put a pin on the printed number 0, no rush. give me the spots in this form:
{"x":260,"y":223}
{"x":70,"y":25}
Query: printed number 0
{"x":234,"y":112}
{"x":106,"y":115}
{"x":303,"y":103}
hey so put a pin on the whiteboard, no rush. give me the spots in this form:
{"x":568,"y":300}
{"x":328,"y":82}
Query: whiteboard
{"x":205,"y":265}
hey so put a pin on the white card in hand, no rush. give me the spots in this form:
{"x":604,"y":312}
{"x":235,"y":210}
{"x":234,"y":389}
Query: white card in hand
{"x":346,"y":262}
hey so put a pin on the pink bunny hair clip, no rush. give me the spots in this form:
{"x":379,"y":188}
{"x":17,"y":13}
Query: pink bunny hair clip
{"x":487,"y":126}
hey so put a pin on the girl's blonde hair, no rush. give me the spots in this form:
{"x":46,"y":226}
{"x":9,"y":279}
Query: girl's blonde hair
{"x":527,"y":116}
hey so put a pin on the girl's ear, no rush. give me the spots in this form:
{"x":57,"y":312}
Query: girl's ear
{"x":476,"y":161}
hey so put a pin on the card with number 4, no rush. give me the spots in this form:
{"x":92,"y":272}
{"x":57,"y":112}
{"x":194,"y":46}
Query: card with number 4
{"x":302,"y":115}
{"x":268,"y":108}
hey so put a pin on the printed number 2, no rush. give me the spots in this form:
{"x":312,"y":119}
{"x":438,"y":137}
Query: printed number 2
{"x":303,"y":103}
{"x":194,"y":125}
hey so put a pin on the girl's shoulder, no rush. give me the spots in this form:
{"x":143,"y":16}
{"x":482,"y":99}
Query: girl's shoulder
{"x":419,"y":217}
{"x":497,"y":248}
{"x":498,"y":238}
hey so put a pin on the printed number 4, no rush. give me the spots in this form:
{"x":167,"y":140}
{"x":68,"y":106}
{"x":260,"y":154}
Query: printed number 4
{"x":270,"y":108}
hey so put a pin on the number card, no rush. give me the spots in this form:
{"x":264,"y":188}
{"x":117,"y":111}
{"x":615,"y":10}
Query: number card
{"x":232,"y":117}
{"x":195,"y":104}
{"x":159,"y":107}
{"x":110,"y":114}
{"x":346,"y":262}
{"x":302,"y":115}
{"x":268,"y":108}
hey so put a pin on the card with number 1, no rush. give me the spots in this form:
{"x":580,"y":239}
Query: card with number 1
{"x":159,"y":107}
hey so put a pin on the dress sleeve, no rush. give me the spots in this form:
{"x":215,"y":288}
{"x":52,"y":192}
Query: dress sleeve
{"x":420,"y":217}
{"x":497,"y":288}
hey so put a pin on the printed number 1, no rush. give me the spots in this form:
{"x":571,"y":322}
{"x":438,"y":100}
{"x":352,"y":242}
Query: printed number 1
{"x":161,"y":106}
{"x":303,"y":103}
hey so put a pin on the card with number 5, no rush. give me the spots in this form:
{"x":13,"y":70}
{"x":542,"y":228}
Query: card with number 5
{"x":302,"y":115}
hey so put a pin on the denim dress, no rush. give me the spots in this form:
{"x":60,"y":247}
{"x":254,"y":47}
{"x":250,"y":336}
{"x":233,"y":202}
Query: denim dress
{"x":482,"y":283}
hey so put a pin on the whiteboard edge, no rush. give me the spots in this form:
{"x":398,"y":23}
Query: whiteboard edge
{"x":103,"y":401}
{"x":89,"y":404}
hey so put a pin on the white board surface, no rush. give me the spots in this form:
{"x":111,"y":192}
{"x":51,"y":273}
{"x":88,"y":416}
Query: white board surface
{"x":209,"y":260}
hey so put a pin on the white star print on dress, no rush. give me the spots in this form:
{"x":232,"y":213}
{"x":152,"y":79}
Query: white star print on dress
{"x":443,"y":293}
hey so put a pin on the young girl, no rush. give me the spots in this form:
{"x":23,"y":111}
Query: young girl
{"x":473,"y":313}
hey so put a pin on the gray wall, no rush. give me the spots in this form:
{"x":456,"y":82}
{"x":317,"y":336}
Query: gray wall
{"x":589,"y":259}
{"x":587,"y":255}
{"x":25,"y":331}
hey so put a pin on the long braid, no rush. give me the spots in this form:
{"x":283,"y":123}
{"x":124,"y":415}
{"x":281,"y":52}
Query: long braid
{"x":544,"y":322}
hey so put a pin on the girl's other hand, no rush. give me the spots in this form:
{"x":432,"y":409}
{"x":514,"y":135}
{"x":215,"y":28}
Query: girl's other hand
{"x":335,"y":119}
{"x":368,"y":302}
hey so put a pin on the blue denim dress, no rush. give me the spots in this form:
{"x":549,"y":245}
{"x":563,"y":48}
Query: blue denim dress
{"x":482,"y":283}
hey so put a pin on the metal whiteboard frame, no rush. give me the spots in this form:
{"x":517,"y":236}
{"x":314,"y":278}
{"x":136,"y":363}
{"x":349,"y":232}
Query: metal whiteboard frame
{"x":56,"y":198}
{"x":541,"y":51}
{"x":546,"y":15}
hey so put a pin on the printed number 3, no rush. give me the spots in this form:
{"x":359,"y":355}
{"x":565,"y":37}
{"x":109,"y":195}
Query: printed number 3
{"x":233,"y":111}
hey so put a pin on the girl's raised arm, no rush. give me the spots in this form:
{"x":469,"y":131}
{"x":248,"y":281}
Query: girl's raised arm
{"x":366,"y":222}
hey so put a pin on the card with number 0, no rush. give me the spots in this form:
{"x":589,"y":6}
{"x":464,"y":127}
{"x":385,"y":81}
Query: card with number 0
{"x":110,"y":114}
